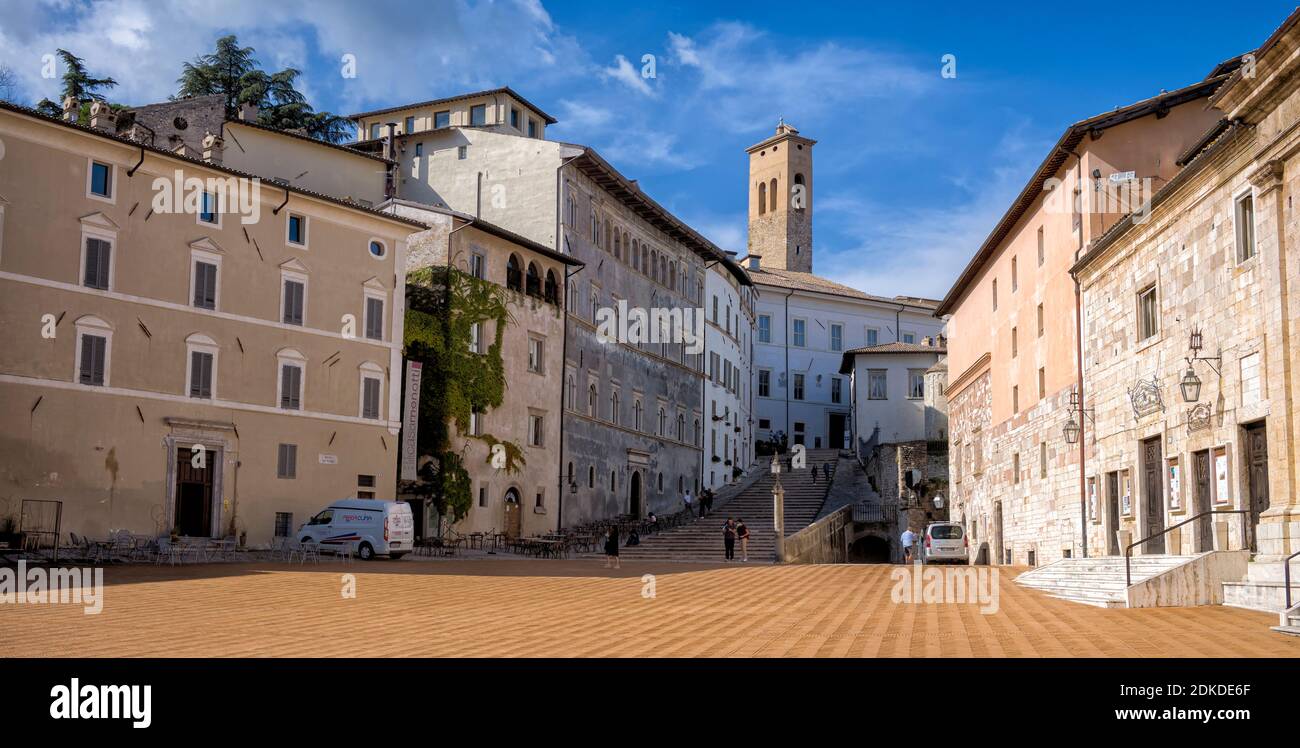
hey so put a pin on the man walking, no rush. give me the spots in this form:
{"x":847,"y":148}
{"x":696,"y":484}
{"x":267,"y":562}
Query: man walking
{"x":729,"y":539}
{"x":826,"y":470}
{"x":908,"y":539}
{"x":742,"y":532}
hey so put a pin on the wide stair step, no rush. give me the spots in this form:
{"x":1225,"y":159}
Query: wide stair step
{"x":1099,"y":581}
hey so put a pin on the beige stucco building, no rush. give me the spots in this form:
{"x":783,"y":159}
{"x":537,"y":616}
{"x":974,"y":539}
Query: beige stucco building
{"x":226,"y":365}
{"x":1212,"y":264}
{"x":1012,"y":341}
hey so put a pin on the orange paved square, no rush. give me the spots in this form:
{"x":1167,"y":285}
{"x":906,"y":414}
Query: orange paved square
{"x":524,"y":608}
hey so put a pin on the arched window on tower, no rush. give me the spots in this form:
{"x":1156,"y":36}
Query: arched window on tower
{"x":551,"y":291}
{"x":773,"y":194}
{"x":533,"y":282}
{"x":514,"y":274}
{"x":762,"y":198}
{"x":800,"y":191}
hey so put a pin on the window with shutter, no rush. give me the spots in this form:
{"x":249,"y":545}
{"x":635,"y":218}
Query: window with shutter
{"x":205,"y":285}
{"x":370,"y":398}
{"x":98,"y":254}
{"x":200,"y":374}
{"x":290,"y":387}
{"x":375,"y":319}
{"x":287,"y":464}
{"x":93,"y":351}
{"x":293,"y":298}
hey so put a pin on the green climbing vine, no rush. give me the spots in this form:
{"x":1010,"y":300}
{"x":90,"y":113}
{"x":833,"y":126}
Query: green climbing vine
{"x":443,"y":307}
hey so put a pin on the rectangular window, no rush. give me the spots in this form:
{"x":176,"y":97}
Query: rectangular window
{"x":916,"y":383}
{"x":764,"y":383}
{"x":800,"y":333}
{"x":482,"y":495}
{"x":441,"y":119}
{"x":290,"y":386}
{"x":764,"y":328}
{"x":99,"y":252}
{"x":366,"y":481}
{"x":837,"y":337}
{"x":798,"y":386}
{"x":1042,"y":460}
{"x":297,"y":229}
{"x":294,"y":296}
{"x":283,"y":524}
{"x":1015,"y":399}
{"x":477,"y":265}
{"x":514,"y":118}
{"x":1245,"y":220}
{"x":205,"y":285}
{"x":536,"y":432}
{"x":535,"y":355}
{"x":532,"y":127}
{"x":408,"y":126}
{"x":1042,"y":383}
{"x":475,"y":333}
{"x":873,"y":336}
{"x":374,"y":131}
{"x":200,"y":374}
{"x":876,"y":385}
{"x":478,"y":115}
{"x":369,"y":397}
{"x":1015,"y":281}
{"x":1040,"y":320}
{"x":1015,"y":468}
{"x":909,"y":337}
{"x":94,"y":353}
{"x":208,"y":211}
{"x":101,"y":179}
{"x":1015,"y":347}
{"x":287,"y":465}
{"x":765,"y":423}
{"x":995,"y":294}
{"x":1148,"y":314}
{"x":374,"y":318}
{"x":462,"y":152}
{"x":837,"y":387}
{"x":419,"y":150}
{"x":1042,"y":248}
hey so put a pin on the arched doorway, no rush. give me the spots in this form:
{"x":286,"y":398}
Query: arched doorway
{"x":634,"y":495}
{"x":513,"y":517}
{"x":869,"y":550}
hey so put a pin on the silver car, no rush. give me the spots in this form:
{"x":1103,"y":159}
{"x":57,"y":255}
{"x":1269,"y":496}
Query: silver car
{"x":945,"y":542}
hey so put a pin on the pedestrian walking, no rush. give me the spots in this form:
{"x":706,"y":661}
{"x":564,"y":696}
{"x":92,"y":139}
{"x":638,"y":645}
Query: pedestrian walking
{"x":826,"y":470}
{"x":611,"y":548}
{"x":814,"y":475}
{"x":729,"y":539}
{"x":686,"y":501}
{"x":908,"y":539}
{"x":742,"y":532}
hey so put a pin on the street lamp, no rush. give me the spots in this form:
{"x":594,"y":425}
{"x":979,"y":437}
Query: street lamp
{"x":1190,"y":383}
{"x":1071,"y":431}
{"x":1191,"y":386}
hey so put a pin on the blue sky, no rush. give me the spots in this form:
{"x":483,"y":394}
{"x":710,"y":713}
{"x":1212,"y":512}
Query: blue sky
{"x":912,"y":169}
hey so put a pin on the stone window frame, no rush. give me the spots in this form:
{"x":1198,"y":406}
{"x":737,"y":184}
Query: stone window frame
{"x":1246,"y":191}
{"x":1145,"y":286}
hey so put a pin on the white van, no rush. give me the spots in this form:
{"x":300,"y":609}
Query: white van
{"x":946,"y":541}
{"x":366,"y":526}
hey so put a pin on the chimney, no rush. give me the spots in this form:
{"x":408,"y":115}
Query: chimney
{"x":213,"y":148}
{"x":927,"y":341}
{"x":140,"y":134}
{"x":248,"y":112}
{"x":102,"y":117}
{"x":390,"y":137}
{"x":71,"y":109}
{"x":756,"y":262}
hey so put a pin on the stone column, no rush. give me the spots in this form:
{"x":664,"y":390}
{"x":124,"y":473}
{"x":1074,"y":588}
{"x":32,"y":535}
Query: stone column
{"x":1278,"y":534}
{"x":778,"y":519}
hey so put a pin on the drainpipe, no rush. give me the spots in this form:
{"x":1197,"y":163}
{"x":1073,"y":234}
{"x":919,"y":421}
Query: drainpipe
{"x":564,"y":348}
{"x":1078,"y":363}
{"x":789,"y":382}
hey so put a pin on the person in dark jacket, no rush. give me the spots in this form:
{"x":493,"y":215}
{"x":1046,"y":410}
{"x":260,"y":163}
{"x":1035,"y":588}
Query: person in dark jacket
{"x":611,"y":548}
{"x":826,"y":470}
{"x":742,"y":532}
{"x":729,"y":539}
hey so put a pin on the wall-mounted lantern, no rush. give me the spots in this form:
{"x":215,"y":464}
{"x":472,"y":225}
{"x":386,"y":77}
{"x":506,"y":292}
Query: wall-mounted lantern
{"x":1071,"y":430}
{"x":1190,"y":384}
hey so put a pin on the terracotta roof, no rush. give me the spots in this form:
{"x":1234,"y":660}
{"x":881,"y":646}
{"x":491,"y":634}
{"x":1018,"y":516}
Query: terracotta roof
{"x":298,"y":136}
{"x":800,"y":281}
{"x":1053,"y":162}
{"x":19,"y":109}
{"x":846,"y":361}
{"x":459,"y":97}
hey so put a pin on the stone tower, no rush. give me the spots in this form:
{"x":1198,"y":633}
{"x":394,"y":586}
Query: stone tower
{"x":780,"y":200}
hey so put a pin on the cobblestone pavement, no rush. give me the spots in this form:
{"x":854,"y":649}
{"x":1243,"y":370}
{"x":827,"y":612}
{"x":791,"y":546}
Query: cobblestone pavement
{"x":520,"y":608}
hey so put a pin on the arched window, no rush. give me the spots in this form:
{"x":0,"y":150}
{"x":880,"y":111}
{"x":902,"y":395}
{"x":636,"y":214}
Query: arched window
{"x":645,"y":253}
{"x":595,"y":229}
{"x":663,"y":270}
{"x":654,"y":266}
{"x":672,"y":276}
{"x":608,"y":233}
{"x":772,"y":193}
{"x":618,"y":244}
{"x":534,"y":281}
{"x":661,"y":482}
{"x":803,"y":198}
{"x":591,"y":477}
{"x":514,"y":274}
{"x":573,"y":394}
{"x":663,"y":423}
{"x":613,"y":407}
{"x":552,"y":289}
{"x":681,"y":427}
{"x":697,"y":433}
{"x":613,"y":481}
{"x":636,"y":415}
{"x":762,"y":198}
{"x":591,"y":401}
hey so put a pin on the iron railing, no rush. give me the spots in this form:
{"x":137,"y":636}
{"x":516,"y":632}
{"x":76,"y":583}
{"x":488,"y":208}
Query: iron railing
{"x":1128,"y":551}
{"x":1286,"y":577}
{"x":870,"y":511}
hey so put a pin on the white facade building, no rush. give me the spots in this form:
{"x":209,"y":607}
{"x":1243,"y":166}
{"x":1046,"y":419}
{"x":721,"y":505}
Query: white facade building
{"x":889,"y":390}
{"x":729,"y":323}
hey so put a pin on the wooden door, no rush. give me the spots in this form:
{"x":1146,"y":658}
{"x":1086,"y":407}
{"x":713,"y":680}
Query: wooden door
{"x":1257,"y":475}
{"x":1112,"y":514}
{"x":192,"y":513}
{"x":1153,"y":495}
{"x":1201,"y":485}
{"x":514,"y":517}
{"x":999,"y":545}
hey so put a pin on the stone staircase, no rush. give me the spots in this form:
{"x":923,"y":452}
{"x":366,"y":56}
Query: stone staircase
{"x":1290,"y":621}
{"x":1097,"y":581}
{"x":701,"y":539}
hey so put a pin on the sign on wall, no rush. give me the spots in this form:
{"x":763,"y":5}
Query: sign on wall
{"x":1175,"y":486}
{"x":1126,"y":495}
{"x":1222,"y":493}
{"x":411,"y":419}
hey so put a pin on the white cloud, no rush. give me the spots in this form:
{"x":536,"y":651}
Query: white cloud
{"x":624,"y":72}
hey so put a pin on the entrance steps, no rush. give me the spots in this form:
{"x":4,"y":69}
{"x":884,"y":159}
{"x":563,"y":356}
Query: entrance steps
{"x":1290,"y":621}
{"x":1097,"y":581}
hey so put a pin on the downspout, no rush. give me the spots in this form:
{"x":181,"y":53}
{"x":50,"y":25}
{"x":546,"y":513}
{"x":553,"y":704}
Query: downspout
{"x":564,"y":347}
{"x":785,"y":344}
{"x":1078,"y":365}
{"x":898,"y":324}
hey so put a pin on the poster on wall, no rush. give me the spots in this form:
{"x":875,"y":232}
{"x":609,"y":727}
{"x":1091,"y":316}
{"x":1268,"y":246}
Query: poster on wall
{"x":1092,"y":500}
{"x":1222,"y":494}
{"x":1126,"y":495}
{"x":411,"y":419}
{"x":1175,"y":494}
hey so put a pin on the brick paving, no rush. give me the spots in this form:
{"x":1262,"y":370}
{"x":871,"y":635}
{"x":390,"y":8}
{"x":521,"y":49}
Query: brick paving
{"x":519,"y":608}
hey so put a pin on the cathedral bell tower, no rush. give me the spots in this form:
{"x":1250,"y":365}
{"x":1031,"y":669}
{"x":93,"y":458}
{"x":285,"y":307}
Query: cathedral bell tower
{"x":780,"y":200}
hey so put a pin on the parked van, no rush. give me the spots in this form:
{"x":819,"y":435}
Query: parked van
{"x":367,"y":527}
{"x":946,"y":541}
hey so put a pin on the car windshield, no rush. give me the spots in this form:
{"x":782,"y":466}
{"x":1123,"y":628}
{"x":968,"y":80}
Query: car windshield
{"x":946,"y":532}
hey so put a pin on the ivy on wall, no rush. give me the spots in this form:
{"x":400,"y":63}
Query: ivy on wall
{"x":443,"y":307}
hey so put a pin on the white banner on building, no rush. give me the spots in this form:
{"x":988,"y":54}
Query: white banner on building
{"x":411,"y":420}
